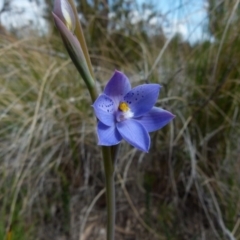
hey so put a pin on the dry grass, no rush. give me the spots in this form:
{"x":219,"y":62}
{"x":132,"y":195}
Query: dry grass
{"x":52,"y":182}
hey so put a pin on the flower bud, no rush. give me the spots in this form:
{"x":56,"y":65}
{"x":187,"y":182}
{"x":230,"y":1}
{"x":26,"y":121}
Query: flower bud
{"x":74,"y":50}
{"x":64,"y":11}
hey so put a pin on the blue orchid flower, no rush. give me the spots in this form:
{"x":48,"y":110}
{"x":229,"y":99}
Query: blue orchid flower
{"x":128,"y":114}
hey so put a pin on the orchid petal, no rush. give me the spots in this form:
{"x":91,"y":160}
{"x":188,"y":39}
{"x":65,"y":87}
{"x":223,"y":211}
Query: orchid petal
{"x":134,"y":133}
{"x":107,"y":136}
{"x":117,"y":87}
{"x":142,"y":98}
{"x":104,"y":109}
{"x":155,"y":119}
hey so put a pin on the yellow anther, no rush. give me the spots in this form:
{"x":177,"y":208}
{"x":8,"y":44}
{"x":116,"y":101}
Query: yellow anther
{"x":123,"y":107}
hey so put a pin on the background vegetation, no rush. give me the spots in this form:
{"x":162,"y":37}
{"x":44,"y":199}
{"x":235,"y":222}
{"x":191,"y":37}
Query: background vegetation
{"x":51,"y":174}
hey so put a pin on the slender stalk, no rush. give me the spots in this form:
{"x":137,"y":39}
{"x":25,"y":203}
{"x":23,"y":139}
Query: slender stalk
{"x":110,"y":191}
{"x":114,"y":153}
{"x":108,"y":153}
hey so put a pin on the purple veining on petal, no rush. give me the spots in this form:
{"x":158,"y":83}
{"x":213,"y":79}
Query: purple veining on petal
{"x":142,"y":98}
{"x":104,"y":109}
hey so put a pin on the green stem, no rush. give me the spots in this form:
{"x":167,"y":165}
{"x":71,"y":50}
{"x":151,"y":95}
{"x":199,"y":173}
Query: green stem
{"x":110,"y":191}
{"x":114,"y":153}
{"x":109,"y":153}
